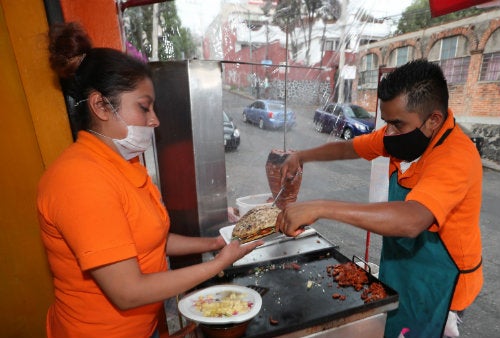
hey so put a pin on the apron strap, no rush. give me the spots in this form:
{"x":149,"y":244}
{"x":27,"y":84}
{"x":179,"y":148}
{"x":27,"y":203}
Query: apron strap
{"x":445,"y":135}
{"x":474,"y":268}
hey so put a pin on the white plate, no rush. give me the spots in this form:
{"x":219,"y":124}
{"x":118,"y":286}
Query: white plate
{"x":188,"y":309}
{"x":227,"y":233}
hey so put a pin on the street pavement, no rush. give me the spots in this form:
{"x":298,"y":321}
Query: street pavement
{"x":350,"y":181}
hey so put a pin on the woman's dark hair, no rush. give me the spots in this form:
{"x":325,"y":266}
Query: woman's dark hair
{"x":422,"y":82}
{"x":84,"y":69}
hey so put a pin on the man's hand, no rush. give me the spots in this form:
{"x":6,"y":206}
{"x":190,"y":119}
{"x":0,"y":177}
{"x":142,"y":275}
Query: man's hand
{"x":296,"y":216}
{"x":290,"y":168}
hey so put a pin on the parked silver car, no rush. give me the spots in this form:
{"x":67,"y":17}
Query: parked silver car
{"x":268,"y":114}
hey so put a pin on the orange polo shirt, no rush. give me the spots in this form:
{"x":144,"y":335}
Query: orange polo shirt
{"x":447,"y":179}
{"x":95,"y":208}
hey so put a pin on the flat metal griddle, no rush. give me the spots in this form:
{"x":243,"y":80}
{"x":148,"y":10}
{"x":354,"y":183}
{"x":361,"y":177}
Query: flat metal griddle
{"x":286,"y":298}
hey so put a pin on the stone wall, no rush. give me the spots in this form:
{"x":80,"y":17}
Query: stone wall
{"x":304,"y":92}
{"x":486,"y":137}
{"x":491,"y":136}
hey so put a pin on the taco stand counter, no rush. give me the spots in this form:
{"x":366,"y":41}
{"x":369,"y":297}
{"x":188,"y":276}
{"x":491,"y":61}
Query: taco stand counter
{"x":190,"y":170}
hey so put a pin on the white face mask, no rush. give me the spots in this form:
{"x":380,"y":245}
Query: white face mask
{"x":137,"y":141}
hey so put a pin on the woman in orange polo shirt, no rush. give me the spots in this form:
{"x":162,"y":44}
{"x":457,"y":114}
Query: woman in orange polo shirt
{"x":431,"y":252}
{"x":105,"y":229}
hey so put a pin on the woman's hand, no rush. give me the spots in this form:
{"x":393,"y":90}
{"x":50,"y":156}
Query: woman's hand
{"x":235,"y":250}
{"x":219,"y":243}
{"x":179,"y":245}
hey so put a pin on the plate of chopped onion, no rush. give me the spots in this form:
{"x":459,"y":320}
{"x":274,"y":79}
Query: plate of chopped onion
{"x":221,"y":304}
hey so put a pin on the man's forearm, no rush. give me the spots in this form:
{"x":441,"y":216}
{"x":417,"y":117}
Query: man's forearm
{"x":328,"y":152}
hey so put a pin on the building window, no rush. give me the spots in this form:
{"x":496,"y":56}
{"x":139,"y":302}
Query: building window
{"x":449,"y":48}
{"x":400,"y":56}
{"x":455,"y":70}
{"x":332,"y":45}
{"x":490,"y":67}
{"x":452,"y":55}
{"x":368,"y":76}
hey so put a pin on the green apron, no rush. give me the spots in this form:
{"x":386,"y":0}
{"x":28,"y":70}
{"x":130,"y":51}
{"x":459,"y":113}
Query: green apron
{"x":424,"y":275}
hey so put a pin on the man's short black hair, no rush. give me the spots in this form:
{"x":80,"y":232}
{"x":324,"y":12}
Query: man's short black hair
{"x":422,"y":82}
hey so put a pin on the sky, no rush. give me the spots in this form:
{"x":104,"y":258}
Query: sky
{"x":382,"y":8}
{"x":198,"y":14}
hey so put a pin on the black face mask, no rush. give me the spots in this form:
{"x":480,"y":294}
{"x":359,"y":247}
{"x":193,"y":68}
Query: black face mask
{"x":407,"y":147}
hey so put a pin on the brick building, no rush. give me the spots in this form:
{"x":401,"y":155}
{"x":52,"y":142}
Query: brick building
{"x":468,"y":51}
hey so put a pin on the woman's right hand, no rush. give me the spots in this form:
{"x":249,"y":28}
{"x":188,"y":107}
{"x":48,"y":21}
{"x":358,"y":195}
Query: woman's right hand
{"x":235,"y":250}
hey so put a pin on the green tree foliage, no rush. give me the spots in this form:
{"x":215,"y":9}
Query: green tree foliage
{"x":298,"y":14}
{"x":136,"y":24}
{"x":417,"y":16}
{"x":174,"y":42}
{"x":309,"y":15}
{"x":287,"y":17}
{"x":330,"y":11}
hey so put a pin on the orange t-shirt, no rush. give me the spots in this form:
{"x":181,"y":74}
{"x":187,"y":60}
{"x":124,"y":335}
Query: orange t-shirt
{"x":447,"y":179}
{"x":95,"y":208}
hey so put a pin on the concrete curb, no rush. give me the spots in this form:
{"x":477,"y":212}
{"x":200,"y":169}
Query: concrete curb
{"x":490,"y":164}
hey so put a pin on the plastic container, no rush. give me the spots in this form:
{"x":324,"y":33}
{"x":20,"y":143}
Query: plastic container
{"x":246,"y":203}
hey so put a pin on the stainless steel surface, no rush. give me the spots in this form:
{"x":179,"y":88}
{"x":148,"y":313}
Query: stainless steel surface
{"x":189,"y":145}
{"x":279,"y":246}
{"x":369,"y":327}
{"x":279,"y":238}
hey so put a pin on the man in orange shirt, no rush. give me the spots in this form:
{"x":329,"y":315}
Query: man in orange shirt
{"x":431,"y":253}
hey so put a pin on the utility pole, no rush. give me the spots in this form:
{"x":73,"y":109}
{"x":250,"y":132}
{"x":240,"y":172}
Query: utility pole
{"x":154,"y":37}
{"x":343,"y":43}
{"x":249,"y":25}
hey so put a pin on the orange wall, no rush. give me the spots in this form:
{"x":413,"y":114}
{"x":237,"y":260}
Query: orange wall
{"x":99,"y":17}
{"x":35,"y":130}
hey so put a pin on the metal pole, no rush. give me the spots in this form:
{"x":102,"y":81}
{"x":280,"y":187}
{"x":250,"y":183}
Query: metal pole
{"x":154,"y":38}
{"x":343,"y":43}
{"x":249,"y":26}
{"x":286,"y":81}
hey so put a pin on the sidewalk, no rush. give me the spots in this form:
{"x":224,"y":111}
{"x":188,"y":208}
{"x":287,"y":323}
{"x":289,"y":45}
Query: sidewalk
{"x":490,"y":164}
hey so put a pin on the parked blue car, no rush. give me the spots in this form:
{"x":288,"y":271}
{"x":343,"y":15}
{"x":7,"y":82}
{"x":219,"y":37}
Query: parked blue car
{"x":343,"y":120}
{"x":269,"y":114}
